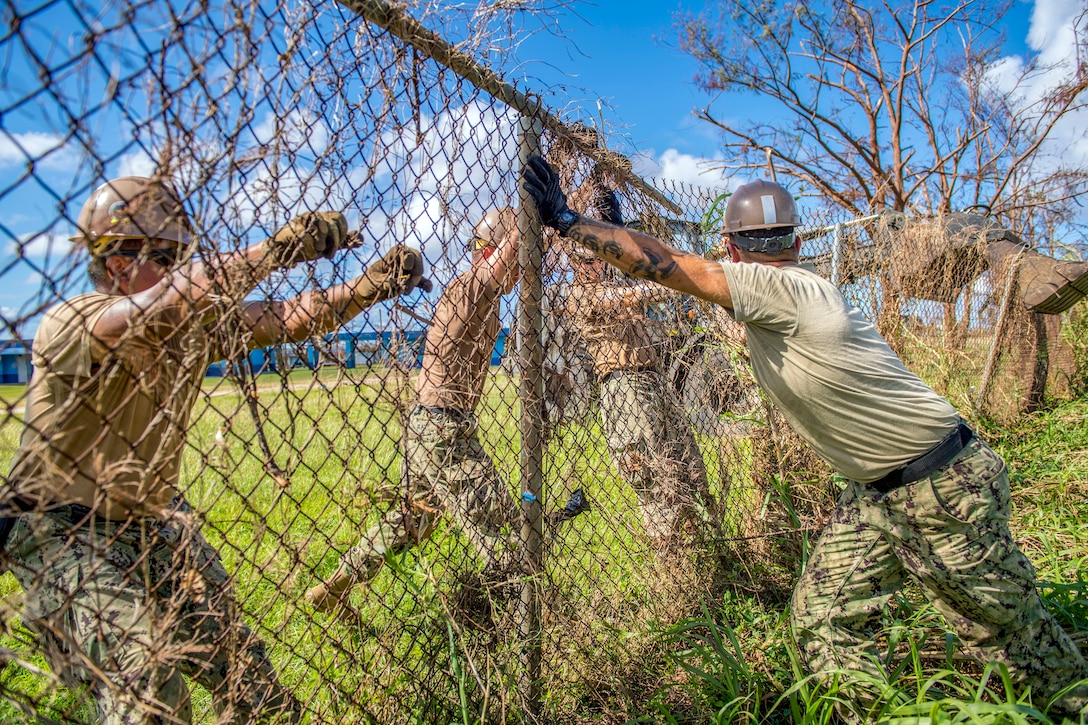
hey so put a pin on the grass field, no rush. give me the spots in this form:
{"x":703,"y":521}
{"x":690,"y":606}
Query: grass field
{"x":625,"y":635}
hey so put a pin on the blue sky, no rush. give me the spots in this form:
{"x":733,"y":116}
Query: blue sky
{"x":621,"y":52}
{"x":626,"y":53}
{"x":629,"y":58}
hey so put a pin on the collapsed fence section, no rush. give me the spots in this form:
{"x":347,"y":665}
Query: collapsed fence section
{"x":489,"y":514}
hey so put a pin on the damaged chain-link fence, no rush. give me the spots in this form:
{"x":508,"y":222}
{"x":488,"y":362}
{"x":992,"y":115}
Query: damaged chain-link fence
{"x":257,"y":469}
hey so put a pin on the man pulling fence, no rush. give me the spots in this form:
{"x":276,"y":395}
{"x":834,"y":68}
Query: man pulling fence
{"x":447,"y":470}
{"x":122,"y":589}
{"x":646,"y":429}
{"x":927,"y":500}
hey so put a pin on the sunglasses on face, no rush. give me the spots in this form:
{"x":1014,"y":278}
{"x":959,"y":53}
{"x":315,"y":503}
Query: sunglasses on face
{"x":161,"y":257}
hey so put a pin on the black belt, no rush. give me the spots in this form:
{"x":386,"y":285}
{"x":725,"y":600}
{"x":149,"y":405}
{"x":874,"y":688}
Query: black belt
{"x":928,"y":463}
{"x":72,"y":513}
{"x":455,"y":413}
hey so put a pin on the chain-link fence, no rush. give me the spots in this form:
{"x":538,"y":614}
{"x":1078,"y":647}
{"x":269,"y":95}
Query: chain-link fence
{"x":255,"y":482}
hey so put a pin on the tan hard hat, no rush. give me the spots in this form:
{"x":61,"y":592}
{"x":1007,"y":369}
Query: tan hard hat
{"x":760,"y":205}
{"x":493,"y":226}
{"x":132,"y":207}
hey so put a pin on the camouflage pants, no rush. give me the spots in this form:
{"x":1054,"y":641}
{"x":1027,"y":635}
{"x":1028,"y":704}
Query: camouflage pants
{"x":449,"y":473}
{"x":654,"y":450}
{"x":950,"y":534}
{"x":129,"y":607}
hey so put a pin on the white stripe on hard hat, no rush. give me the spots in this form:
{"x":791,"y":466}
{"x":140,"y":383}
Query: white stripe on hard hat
{"x":770,"y":214}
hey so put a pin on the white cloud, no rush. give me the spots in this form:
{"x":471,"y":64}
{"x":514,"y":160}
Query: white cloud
{"x":674,"y":166}
{"x":137,"y":163}
{"x":296,"y":132}
{"x":263,"y":202}
{"x":39,"y":245}
{"x":48,"y":150}
{"x":1052,"y":34}
{"x":465,"y":156}
{"x":1052,"y":31}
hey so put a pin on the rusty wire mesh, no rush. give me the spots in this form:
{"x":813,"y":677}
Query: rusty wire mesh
{"x":286,"y":454}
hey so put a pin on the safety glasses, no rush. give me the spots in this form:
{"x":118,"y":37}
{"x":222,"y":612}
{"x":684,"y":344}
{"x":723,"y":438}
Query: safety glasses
{"x":767,"y":241}
{"x":161,"y":257}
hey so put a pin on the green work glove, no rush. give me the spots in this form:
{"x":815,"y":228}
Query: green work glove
{"x":309,"y":236}
{"x":398,"y":272}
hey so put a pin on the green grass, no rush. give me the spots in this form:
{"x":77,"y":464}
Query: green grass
{"x":625,"y":636}
{"x":736,"y":665}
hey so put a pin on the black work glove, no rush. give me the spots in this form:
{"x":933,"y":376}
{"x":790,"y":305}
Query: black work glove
{"x":398,"y":272}
{"x":542,"y":183}
{"x":609,"y":207}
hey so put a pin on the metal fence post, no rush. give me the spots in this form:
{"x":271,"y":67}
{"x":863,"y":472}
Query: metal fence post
{"x":836,"y":255}
{"x":531,"y":357}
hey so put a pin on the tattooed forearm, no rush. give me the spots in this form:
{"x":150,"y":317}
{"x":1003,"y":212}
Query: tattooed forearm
{"x":585,"y":237}
{"x":623,"y":250}
{"x":651,"y":267}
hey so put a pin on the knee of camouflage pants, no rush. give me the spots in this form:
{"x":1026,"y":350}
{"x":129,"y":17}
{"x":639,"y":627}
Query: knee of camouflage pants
{"x":399,"y":529}
{"x":668,"y":510}
{"x":157,"y":606}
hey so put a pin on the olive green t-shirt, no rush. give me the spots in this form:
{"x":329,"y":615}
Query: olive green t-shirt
{"x":106,"y":428}
{"x":832,"y":375}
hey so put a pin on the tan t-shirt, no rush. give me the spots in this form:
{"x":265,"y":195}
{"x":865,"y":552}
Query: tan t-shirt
{"x":615,"y":339}
{"x":832,"y":375}
{"x":104,"y":428}
{"x":457,"y":352}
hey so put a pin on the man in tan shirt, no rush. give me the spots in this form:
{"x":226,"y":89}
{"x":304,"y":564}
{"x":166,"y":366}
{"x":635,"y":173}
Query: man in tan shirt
{"x":448,"y":471}
{"x":647,"y":432}
{"x":123,"y":591}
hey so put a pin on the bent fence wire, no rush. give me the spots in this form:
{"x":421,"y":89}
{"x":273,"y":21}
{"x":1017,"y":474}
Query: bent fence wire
{"x":660,"y":472}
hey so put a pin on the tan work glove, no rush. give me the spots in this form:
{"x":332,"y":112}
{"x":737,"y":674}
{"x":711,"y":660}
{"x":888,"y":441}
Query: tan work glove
{"x":309,"y":236}
{"x":398,"y":272}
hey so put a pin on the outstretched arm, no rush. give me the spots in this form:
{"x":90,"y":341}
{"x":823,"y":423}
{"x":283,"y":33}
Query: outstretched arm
{"x":615,"y":298}
{"x":633,"y":252}
{"x":397,"y":273}
{"x":193,"y":290}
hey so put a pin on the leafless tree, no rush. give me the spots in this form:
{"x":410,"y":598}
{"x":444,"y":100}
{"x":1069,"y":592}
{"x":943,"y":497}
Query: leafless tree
{"x":897,"y":105}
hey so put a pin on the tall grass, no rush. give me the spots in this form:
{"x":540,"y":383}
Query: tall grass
{"x":629,"y":635}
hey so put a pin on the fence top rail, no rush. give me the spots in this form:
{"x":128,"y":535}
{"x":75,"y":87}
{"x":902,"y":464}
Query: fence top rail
{"x":412,"y":32}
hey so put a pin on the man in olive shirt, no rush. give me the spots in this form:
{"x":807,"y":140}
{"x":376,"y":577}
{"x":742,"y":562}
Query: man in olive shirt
{"x":448,"y":471}
{"x":926,"y":499}
{"x":122,"y":589}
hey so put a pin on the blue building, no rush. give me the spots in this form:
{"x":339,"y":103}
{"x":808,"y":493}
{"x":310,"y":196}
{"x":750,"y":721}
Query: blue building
{"x":348,"y":350}
{"x":343,"y":349}
{"x":14,"y":361}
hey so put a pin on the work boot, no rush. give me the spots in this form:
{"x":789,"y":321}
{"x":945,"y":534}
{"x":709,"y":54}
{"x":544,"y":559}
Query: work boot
{"x":1050,"y":286}
{"x":1047,"y":285}
{"x":330,"y":594}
